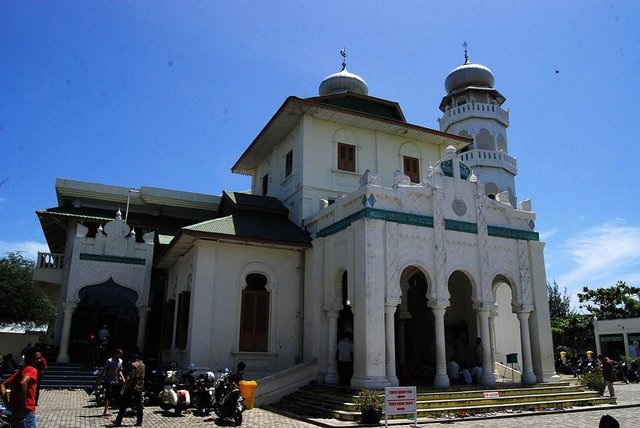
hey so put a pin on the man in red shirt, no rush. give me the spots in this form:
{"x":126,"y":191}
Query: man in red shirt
{"x":22,"y":384}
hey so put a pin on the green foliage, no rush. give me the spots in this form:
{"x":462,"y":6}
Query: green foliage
{"x":21,"y":301}
{"x":574,"y":330}
{"x":564,"y":348}
{"x":618,"y":301}
{"x":369,"y":399}
{"x":593,"y":381}
{"x":559,"y":302}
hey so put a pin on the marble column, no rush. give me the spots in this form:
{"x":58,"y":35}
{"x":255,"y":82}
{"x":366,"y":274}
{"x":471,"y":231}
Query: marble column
{"x":332,"y":369}
{"x":143,"y":311}
{"x":487,"y":371}
{"x":528,"y":377}
{"x":441,"y":379}
{"x":390,"y":342}
{"x":63,"y":354}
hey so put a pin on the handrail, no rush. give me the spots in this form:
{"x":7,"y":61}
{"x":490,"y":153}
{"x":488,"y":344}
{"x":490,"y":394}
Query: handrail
{"x":50,"y":261}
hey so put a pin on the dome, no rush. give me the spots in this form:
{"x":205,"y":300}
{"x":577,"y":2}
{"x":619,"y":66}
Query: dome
{"x":343,"y":82}
{"x":468,"y":74}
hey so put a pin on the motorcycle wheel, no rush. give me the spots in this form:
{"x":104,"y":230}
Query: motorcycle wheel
{"x":237,"y":418}
{"x":165,"y":406}
{"x":178,"y":411}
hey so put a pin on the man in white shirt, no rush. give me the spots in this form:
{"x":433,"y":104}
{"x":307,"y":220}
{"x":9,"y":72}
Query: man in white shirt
{"x":345,"y":351}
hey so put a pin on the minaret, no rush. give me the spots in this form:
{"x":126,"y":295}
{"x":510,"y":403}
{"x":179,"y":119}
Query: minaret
{"x":472,"y":108}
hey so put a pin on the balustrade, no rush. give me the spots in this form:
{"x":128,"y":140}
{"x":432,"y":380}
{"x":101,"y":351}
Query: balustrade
{"x":471,"y":157}
{"x":50,"y":261}
{"x":474,"y":109}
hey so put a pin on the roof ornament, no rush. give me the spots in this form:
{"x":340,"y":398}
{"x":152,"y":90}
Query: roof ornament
{"x":466,"y":54}
{"x":343,"y":52}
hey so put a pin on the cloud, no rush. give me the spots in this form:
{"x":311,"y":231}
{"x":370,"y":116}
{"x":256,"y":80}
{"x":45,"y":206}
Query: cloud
{"x":29,"y":249}
{"x":545,"y":235}
{"x":602,"y":255}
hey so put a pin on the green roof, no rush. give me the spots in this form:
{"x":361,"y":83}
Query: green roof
{"x":254,"y":227}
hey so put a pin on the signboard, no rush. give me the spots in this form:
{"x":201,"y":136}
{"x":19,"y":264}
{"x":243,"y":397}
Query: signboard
{"x":400,"y":400}
{"x":491,"y":394}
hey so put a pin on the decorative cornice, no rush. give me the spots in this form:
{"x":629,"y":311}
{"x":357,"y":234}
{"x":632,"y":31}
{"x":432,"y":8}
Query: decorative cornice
{"x":504,"y":232}
{"x":112,"y":259}
{"x":424,"y":221}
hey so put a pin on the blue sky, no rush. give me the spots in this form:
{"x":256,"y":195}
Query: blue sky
{"x":169,"y":94}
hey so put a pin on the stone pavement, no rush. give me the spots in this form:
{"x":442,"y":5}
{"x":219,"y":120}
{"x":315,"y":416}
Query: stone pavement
{"x":73,"y":409}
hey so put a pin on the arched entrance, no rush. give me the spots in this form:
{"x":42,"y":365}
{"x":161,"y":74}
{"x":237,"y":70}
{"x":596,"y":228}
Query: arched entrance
{"x":460,"y":324}
{"x":507,"y":331}
{"x":414,"y":324}
{"x":107,"y":304}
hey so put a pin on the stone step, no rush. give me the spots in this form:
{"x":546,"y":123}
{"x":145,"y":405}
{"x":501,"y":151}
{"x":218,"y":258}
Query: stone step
{"x":329,"y":401}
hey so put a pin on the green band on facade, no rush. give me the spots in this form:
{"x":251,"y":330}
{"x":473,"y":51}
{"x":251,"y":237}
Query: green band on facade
{"x":112,"y":259}
{"x":425,"y":221}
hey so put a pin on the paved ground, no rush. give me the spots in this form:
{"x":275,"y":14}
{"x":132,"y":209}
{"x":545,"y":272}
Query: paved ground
{"x":71,"y":408}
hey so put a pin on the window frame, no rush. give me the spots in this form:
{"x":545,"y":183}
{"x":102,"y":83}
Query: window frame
{"x":344,"y":163}
{"x":288,"y":163}
{"x":255,"y":312}
{"x":414,"y":176}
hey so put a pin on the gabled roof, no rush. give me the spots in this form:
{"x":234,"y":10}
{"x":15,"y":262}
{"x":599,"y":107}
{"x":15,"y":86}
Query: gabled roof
{"x":242,"y":218}
{"x":294,"y":108}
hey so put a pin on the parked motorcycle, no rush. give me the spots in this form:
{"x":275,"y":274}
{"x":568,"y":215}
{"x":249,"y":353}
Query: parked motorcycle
{"x":154,"y":385}
{"x":202,"y":393}
{"x":175,"y":393}
{"x":98,"y":387}
{"x":228,"y":402}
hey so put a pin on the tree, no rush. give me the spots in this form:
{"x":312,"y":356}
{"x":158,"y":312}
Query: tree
{"x":559,"y":302}
{"x":21,"y":301}
{"x":618,"y":301}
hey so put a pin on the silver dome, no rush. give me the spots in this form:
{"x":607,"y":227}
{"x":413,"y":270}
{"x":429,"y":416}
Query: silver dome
{"x":343,"y":82}
{"x":468,"y":74}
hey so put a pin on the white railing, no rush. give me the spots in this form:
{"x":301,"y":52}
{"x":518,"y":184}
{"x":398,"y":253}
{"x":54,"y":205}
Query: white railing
{"x":478,"y":156}
{"x":50,"y":261}
{"x":474,"y":109}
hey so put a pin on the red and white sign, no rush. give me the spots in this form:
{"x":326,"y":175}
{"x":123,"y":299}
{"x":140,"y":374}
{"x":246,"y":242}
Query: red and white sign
{"x":400,"y":400}
{"x":491,"y":394}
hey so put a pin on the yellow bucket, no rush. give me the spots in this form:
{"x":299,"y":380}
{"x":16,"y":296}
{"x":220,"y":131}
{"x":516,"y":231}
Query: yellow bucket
{"x":248,"y":391}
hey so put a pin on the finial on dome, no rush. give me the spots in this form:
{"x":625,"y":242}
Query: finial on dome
{"x":466,"y":54}
{"x":343,"y":81}
{"x":343,"y":52}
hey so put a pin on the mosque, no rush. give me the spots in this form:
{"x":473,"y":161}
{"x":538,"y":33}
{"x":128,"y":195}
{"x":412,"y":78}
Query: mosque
{"x":410,"y":240}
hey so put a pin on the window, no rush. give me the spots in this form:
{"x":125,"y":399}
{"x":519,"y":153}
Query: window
{"x":265,"y":184}
{"x":167,"y":327}
{"x":254,"y":322}
{"x":346,"y":157}
{"x":288,"y":164}
{"x":182,"y":327}
{"x":412,"y":168}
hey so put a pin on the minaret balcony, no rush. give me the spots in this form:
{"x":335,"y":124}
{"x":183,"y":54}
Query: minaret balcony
{"x":488,"y":158}
{"x":475,"y":110}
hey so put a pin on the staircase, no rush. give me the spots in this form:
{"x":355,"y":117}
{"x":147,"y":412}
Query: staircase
{"x":329,"y":401}
{"x":65,"y":376}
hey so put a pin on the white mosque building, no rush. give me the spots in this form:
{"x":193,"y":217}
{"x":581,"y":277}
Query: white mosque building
{"x":412,"y":240}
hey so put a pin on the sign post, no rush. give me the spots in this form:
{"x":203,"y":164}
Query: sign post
{"x":399,"y":401}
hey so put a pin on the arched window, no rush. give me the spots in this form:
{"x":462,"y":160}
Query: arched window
{"x":254,"y":322}
{"x":484,"y":140}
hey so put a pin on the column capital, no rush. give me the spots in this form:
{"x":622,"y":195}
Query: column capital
{"x":523,"y":314}
{"x":143,"y":310}
{"x":390,"y":309}
{"x":332,"y":313}
{"x":69,"y":307}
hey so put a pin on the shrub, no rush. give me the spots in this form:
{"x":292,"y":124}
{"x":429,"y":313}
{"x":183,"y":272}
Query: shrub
{"x":369,"y":399}
{"x":593,"y":381}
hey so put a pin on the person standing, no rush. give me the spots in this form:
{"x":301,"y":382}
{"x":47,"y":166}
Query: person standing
{"x":41,"y":366}
{"x":23,"y":393}
{"x":112,"y":377}
{"x":345,"y":353}
{"x":607,"y":373}
{"x":132,"y":392}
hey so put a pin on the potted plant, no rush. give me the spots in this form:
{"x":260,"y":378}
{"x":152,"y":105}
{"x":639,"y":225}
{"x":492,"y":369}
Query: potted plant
{"x":370,"y":403}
